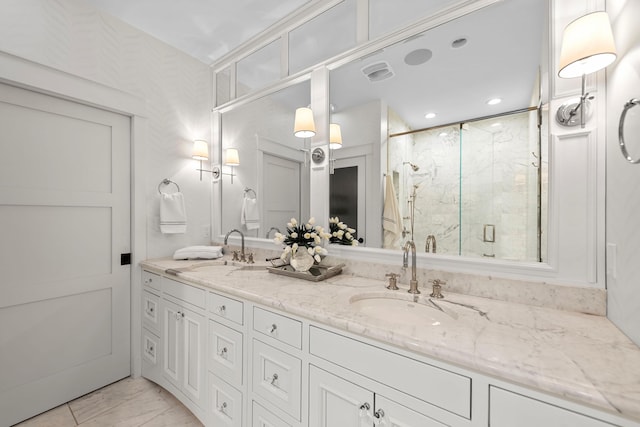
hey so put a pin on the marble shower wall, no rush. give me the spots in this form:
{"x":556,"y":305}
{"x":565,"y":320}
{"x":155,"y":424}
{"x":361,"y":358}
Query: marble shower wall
{"x":482,"y":173}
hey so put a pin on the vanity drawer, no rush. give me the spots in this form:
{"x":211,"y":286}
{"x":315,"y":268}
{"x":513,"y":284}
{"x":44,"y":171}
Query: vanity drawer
{"x":184,"y":292}
{"x":151,"y":356}
{"x":281,"y":328}
{"x":150,"y":310}
{"x":264,"y":418}
{"x":507,"y":409}
{"x":225,"y":352}
{"x":151,"y":280}
{"x":277,"y":378}
{"x":226,"y":308}
{"x":436,"y":386}
{"x":226,"y":403}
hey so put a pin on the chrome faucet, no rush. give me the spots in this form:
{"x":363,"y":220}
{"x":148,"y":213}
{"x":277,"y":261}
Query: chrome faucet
{"x":276,"y":229}
{"x":413,"y":283}
{"x":226,"y":238}
{"x":430,"y":245}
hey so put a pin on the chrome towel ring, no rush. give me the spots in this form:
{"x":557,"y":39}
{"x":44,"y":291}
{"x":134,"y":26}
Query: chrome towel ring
{"x":623,"y":147}
{"x":167,"y":182}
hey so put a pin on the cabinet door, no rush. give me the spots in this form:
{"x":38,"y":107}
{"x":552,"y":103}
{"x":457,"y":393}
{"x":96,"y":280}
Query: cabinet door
{"x":337,"y":402}
{"x":192,"y":328}
{"x":171,"y":316}
{"x":392,"y":414}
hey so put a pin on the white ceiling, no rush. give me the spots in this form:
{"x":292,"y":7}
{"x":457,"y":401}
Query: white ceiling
{"x":205,"y":29}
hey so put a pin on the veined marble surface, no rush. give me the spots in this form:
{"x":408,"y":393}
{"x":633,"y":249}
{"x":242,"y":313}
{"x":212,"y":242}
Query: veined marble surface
{"x":578,"y":356}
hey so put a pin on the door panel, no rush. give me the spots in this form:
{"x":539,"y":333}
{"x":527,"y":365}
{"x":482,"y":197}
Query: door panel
{"x":64,"y":220}
{"x":281,"y":199}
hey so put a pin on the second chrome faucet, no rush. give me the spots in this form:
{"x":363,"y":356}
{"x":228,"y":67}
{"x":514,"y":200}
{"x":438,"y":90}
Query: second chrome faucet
{"x":413,"y":283}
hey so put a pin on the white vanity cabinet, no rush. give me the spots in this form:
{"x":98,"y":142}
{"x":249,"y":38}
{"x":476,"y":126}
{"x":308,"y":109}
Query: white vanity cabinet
{"x":334,"y":401}
{"x":184,"y":340}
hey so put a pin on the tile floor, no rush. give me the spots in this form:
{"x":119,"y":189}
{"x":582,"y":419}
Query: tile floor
{"x":126,"y":403}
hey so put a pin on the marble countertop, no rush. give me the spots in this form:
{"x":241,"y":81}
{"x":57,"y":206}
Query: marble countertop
{"x":580,"y":357}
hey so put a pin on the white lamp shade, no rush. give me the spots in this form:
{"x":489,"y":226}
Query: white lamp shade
{"x":587,"y":45}
{"x":335,"y":136}
{"x":200,"y":150}
{"x":231,"y":157}
{"x":304,"y":126}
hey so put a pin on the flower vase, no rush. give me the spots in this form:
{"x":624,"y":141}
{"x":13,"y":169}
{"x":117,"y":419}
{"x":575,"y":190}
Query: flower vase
{"x":302,"y":260}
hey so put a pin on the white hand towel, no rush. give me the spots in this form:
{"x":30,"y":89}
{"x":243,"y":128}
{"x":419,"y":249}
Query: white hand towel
{"x":391,"y":219}
{"x":173,"y":218}
{"x":195,"y":252}
{"x":250,"y":217}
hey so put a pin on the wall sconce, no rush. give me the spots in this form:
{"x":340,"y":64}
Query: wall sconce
{"x":587,"y":46}
{"x":304,"y":126}
{"x":335,"y":143}
{"x":231,"y":158}
{"x":201,"y":152}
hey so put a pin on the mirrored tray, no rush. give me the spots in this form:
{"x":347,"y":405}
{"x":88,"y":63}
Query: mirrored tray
{"x":315,"y":274}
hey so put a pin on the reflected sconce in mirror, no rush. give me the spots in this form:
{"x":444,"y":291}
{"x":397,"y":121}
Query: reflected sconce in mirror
{"x":200,"y":153}
{"x":231,"y":158}
{"x":587,"y":46}
{"x":335,"y":143}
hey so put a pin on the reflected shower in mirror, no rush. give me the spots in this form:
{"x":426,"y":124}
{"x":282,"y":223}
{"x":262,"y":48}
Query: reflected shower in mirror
{"x":273,"y":162}
{"x":478,"y":186}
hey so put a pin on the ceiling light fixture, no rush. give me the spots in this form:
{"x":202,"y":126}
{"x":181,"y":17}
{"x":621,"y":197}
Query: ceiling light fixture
{"x":429,"y":115}
{"x":494,"y":101}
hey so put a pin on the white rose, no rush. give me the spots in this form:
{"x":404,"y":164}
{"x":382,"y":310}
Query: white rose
{"x":294,"y":222}
{"x":351,"y":230}
{"x":348,"y":235}
{"x":317,"y":258}
{"x":310,"y":251}
{"x":289,"y":225}
{"x":294,"y":247}
{"x":317,"y":240}
{"x":340,"y":233}
{"x":342,"y":225}
{"x":354,"y":242}
{"x":307,"y":235}
{"x":312,"y":221}
{"x":294,"y":235}
{"x":323,"y":251}
{"x":334,"y":234}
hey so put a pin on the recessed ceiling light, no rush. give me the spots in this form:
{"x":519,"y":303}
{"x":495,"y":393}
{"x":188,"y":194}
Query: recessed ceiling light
{"x":429,"y":115}
{"x":494,"y":101}
{"x":418,"y":57}
{"x":496,"y":124}
{"x":443,"y":134}
{"x":459,"y":42}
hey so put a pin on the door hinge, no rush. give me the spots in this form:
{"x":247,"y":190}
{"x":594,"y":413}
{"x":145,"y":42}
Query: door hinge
{"x":125,"y":259}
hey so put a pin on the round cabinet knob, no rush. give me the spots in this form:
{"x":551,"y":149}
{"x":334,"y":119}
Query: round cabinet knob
{"x":364,"y":409}
{"x":223,"y":353}
{"x":273,"y":328}
{"x":223,"y":408}
{"x":222,"y":310}
{"x":378,"y":418}
{"x":274,"y":378}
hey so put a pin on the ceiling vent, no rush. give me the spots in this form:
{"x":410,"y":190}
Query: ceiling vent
{"x":378,"y":71}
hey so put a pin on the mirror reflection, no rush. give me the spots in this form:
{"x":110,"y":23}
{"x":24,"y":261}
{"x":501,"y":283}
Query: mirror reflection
{"x":271,"y":183}
{"x":474,"y":187}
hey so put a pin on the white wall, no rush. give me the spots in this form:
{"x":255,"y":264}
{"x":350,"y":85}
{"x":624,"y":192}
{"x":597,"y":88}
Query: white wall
{"x":71,"y":36}
{"x":623,"y":178}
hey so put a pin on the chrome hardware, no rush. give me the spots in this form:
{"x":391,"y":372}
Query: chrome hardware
{"x":274,"y":378}
{"x":430,"y":245}
{"x":276,"y":229}
{"x":378,"y":417}
{"x":179,"y":315}
{"x":273,"y":328}
{"x":222,"y":310}
{"x":623,"y":146}
{"x":226,"y":238}
{"x":364,"y":409}
{"x":437,"y":288}
{"x":413,"y":283}
{"x":250,"y":259}
{"x":223,"y":353}
{"x":223,"y":408}
{"x":235,"y":256}
{"x":393,"y":281}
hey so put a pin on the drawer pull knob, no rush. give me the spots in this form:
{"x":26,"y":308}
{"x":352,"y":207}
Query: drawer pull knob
{"x":273,"y":328}
{"x":222,"y":310}
{"x":274,"y":378}
{"x":378,"y":417}
{"x":223,"y":408}
{"x":223,"y":353}
{"x":364,"y":409}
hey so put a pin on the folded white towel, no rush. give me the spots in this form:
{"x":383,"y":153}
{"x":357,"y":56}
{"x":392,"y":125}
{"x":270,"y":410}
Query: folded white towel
{"x":195,"y":252}
{"x":173,"y":218}
{"x":250,"y":217}
{"x":391,"y":219}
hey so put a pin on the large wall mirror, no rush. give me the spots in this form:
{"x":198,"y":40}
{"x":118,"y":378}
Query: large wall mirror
{"x":473,"y":177}
{"x":271,"y":183}
{"x":466,"y":145}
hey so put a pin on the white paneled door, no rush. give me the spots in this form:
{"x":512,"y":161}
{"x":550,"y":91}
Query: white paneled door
{"x":64,"y":223}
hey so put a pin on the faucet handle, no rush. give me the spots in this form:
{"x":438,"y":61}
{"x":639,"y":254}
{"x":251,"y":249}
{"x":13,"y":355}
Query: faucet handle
{"x":437,"y":288}
{"x":393,"y":281}
{"x":235,"y":256}
{"x":250,"y":260}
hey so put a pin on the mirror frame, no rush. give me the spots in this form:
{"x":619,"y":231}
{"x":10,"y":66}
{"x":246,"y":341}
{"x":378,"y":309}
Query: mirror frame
{"x":320,"y":100}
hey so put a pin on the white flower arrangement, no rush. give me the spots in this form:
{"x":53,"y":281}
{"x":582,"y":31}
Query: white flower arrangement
{"x":308,"y":236}
{"x":341,"y":233}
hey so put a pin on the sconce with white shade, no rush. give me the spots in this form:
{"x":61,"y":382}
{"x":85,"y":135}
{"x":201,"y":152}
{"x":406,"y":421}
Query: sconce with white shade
{"x":335,"y":143}
{"x":231,"y":158}
{"x":587,"y":46}
{"x":201,"y":153}
{"x":305,"y":127}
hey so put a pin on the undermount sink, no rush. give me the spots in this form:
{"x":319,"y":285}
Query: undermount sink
{"x":406,"y":311}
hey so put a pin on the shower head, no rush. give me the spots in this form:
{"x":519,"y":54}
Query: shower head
{"x":414,"y":167}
